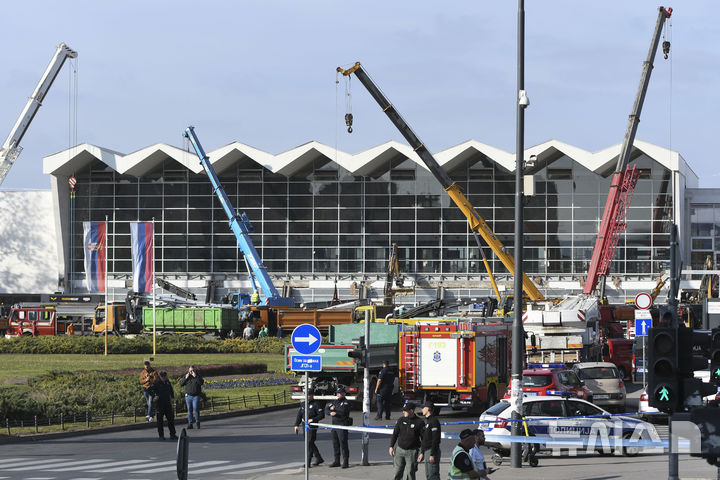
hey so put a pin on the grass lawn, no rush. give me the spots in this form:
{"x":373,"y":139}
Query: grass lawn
{"x":30,"y":365}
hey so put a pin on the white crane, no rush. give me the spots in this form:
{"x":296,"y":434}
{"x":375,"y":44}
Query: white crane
{"x":11,"y":148}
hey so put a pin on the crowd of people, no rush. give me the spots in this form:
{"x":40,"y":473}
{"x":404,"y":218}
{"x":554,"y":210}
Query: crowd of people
{"x":414,"y":439}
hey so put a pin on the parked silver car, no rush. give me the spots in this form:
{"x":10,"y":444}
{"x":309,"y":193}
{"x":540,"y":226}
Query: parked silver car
{"x":606,"y":383}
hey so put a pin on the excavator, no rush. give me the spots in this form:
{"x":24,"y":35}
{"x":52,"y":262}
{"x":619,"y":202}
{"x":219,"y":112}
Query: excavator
{"x":478,"y":226}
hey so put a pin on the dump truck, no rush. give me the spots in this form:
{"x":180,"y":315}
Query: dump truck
{"x":118,"y":321}
{"x":339,"y":369}
{"x":222,"y":322}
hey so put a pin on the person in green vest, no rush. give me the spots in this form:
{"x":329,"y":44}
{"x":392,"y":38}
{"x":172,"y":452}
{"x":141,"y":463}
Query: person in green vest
{"x":263,"y":332}
{"x":255,"y":298}
{"x":461,"y":465}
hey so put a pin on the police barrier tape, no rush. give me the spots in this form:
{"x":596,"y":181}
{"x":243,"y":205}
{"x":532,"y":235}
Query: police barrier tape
{"x":554,"y":441}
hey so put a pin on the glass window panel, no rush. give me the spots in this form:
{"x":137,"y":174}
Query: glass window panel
{"x":702,"y":244}
{"x":428,"y":227}
{"x":326,"y":214}
{"x":428,"y":200}
{"x":326,"y":202}
{"x":350,"y":266}
{"x":326,"y":227}
{"x":403,"y":227}
{"x":300,"y":266}
{"x":200,"y":214}
{"x":354,"y":188}
{"x":273,"y":253}
{"x":377,"y":227}
{"x":351,"y":214}
{"x":586,"y":227}
{"x":220,"y":266}
{"x":299,"y":253}
{"x":175,"y":215}
{"x":455,"y":227}
{"x":403,"y":201}
{"x":245,"y":202}
{"x":149,"y":189}
{"x":326,"y":240}
{"x":351,"y":254}
{"x":376,"y":214}
{"x":275,"y":202}
{"x":427,"y":266}
{"x":300,"y":188}
{"x":300,"y":227}
{"x":350,"y":201}
{"x":275,"y":189}
{"x":375,"y":267}
{"x":175,"y":227}
{"x":199,"y":253}
{"x":374,"y":188}
{"x":275,"y":227}
{"x":429,"y":213}
{"x":377,"y":201}
{"x":351,"y":227}
{"x":200,"y":227}
{"x":299,"y":240}
{"x":454,"y":266}
{"x":274,"y":240}
{"x":174,"y":266}
{"x":300,"y":202}
{"x":376,"y":240}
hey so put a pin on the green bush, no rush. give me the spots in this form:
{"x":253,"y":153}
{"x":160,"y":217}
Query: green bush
{"x":80,"y":344}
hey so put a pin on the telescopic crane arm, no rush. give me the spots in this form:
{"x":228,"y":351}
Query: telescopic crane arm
{"x":624,"y":179}
{"x":477,"y":223}
{"x":11,"y":148}
{"x":241,"y":227}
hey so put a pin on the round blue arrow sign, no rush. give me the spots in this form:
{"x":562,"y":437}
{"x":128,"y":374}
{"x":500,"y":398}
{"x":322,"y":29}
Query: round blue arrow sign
{"x":305,"y":339}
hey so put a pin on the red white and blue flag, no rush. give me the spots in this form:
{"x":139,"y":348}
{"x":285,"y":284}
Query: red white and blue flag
{"x":141,"y":237}
{"x":94,"y":245}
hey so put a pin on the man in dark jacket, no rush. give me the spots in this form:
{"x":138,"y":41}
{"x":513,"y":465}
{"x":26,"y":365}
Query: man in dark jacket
{"x":430,"y":448}
{"x":315,"y":414}
{"x":166,"y":397}
{"x":408,"y":432}
{"x":384,"y":390}
{"x":340,"y":412}
{"x":193,"y":388}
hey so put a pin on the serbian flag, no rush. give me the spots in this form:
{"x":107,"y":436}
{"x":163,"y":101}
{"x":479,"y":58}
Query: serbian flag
{"x":141,"y":238}
{"x":94,"y":245}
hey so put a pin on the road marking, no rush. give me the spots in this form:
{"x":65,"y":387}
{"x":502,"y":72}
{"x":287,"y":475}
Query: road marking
{"x":225,"y":467}
{"x":134,"y":467}
{"x":17,"y":461}
{"x":174,"y":467}
{"x":49,"y":464}
{"x":110,"y":464}
{"x":267,"y":469}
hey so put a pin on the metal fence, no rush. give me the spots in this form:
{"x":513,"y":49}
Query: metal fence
{"x":87,"y":419}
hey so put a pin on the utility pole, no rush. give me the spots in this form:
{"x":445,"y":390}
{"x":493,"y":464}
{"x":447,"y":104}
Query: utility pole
{"x":518,"y":336}
{"x":366,"y":392}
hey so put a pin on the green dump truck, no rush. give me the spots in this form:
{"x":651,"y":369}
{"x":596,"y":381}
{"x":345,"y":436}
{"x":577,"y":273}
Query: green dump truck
{"x":222,"y":322}
{"x":340,"y":369}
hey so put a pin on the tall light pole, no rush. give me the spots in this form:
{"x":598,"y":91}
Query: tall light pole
{"x":518,"y":335}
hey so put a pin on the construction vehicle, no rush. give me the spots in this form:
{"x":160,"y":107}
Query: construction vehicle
{"x":476,"y":222}
{"x":242,"y":228}
{"x":340,"y":369}
{"x":11,"y":148}
{"x":394,"y":282}
{"x":460,"y":364}
{"x":116,"y":321}
{"x":222,"y":322}
{"x":569,"y":331}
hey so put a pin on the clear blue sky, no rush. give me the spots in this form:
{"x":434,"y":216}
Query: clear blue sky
{"x":263,"y":73}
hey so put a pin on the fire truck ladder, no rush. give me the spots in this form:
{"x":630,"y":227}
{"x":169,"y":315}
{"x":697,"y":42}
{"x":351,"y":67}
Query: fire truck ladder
{"x":410,"y":360}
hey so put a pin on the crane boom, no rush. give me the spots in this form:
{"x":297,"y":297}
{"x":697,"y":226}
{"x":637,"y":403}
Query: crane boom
{"x":11,"y":148}
{"x":241,"y":227}
{"x":624,"y":178}
{"x":476,"y":222}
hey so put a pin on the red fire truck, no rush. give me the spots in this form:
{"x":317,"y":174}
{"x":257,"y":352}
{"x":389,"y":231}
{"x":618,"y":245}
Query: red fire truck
{"x":36,"y":320}
{"x":455,"y":364}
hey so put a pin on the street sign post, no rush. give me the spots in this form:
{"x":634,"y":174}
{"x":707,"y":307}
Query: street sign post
{"x":643,"y":301}
{"x":305,"y":339}
{"x":306,"y":363}
{"x":643,"y":322}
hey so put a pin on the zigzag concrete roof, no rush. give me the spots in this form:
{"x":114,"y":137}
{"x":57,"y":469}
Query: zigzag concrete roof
{"x":363,"y":163}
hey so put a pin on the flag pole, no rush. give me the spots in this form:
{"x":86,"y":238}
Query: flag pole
{"x":153,"y":286}
{"x":107,"y":313}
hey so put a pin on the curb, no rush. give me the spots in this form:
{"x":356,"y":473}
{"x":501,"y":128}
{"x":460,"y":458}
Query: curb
{"x":5,"y":439}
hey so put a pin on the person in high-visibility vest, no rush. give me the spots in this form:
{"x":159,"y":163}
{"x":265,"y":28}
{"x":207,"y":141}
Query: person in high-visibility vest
{"x":255,"y":298}
{"x":461,"y":465}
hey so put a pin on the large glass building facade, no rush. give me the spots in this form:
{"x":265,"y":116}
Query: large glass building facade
{"x":322,"y":221}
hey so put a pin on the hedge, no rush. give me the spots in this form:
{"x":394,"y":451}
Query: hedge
{"x":81,"y":344}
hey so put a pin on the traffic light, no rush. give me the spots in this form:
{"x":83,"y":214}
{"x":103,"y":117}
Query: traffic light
{"x":715,"y":356}
{"x":662,"y":368}
{"x":667,"y":316}
{"x":692,"y":356}
{"x":359,"y":353}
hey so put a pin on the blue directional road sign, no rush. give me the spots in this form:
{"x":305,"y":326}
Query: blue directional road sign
{"x":305,"y":339}
{"x":306,"y":363}
{"x":642,"y":325}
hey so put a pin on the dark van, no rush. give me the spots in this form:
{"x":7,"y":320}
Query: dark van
{"x":620,"y":352}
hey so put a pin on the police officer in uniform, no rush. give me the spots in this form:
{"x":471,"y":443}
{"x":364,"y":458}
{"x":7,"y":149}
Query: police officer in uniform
{"x":340,"y":412}
{"x":315,"y":414}
{"x":384,"y":390}
{"x":408,"y":434}
{"x":461,"y":465}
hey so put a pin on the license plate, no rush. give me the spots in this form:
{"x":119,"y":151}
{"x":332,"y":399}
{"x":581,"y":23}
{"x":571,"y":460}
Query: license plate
{"x":531,"y":394}
{"x":601,"y":397}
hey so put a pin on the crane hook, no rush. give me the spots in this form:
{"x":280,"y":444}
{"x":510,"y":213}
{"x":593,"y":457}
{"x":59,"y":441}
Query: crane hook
{"x":666,"y":49}
{"x":349,"y":121}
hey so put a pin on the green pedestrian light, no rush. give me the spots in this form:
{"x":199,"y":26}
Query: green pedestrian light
{"x":664,"y":395}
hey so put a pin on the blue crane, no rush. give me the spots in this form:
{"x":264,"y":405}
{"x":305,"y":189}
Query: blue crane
{"x":242,"y":228}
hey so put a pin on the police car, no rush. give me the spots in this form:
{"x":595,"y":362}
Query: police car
{"x":564,"y":416}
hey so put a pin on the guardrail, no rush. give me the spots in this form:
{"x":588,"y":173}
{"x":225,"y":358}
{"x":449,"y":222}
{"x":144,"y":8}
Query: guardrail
{"x":88,"y":420}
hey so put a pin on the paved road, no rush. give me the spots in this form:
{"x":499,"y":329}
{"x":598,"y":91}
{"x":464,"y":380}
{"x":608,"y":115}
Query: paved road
{"x":263,"y":446}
